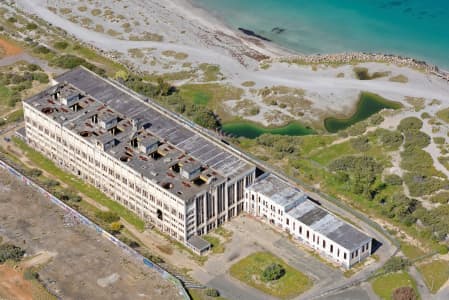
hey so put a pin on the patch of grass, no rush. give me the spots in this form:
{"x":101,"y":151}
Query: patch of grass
{"x":204,"y":94}
{"x":249,"y":271}
{"x":175,"y":55}
{"x":15,"y":116}
{"x":435,"y":274}
{"x":221,"y":231}
{"x":248,"y":83}
{"x":399,"y":78}
{"x":363,"y":74}
{"x":444,"y":115}
{"x":329,"y":154}
{"x":217,"y":245}
{"x":417,"y":103}
{"x":210,"y":72}
{"x":65,"y":10}
{"x":385,"y":285}
{"x":77,"y":184}
{"x":410,"y":251}
{"x":95,"y":12}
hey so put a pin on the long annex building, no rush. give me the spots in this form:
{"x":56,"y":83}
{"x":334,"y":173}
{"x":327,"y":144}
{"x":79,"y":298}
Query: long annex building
{"x":140,"y":155}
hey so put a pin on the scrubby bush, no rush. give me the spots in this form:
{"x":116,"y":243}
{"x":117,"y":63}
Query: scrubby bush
{"x":442,"y":249}
{"x":393,"y":179}
{"x":361,"y":144}
{"x":362,"y":172}
{"x":61,"y":45}
{"x":415,"y":138}
{"x":206,"y":118}
{"x":401,"y":208}
{"x":41,"y":77}
{"x":404,"y":293}
{"x":425,"y":115}
{"x":107,"y":216}
{"x":34,"y":173}
{"x":418,"y":161}
{"x":69,"y":61}
{"x":376,"y":119}
{"x":212,"y":293}
{"x":421,"y":185}
{"x":154,"y":258}
{"x":10,"y":252}
{"x":435,"y":219}
{"x":31,"y":26}
{"x":390,"y":139}
{"x":30,"y":274}
{"x":439,"y":140}
{"x":12,"y":19}
{"x":273,"y":272}
{"x":410,"y":123}
{"x":442,"y":197}
{"x":34,"y":67}
{"x":130,"y":242}
{"x":41,"y":50}
{"x":396,"y":264}
{"x":115,"y":227}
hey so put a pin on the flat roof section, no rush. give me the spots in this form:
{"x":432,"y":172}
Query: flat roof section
{"x":129,"y":141}
{"x":278,"y":190}
{"x":165,"y":127}
{"x":199,"y":244}
{"x":327,"y":224}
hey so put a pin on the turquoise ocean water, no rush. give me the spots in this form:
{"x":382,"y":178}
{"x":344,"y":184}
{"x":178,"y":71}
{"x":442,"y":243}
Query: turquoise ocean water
{"x":416,"y":28}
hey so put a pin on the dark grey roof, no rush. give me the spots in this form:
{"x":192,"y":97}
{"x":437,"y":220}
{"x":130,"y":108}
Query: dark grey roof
{"x":325,"y":223}
{"x":279,"y":191}
{"x":162,"y":125}
{"x":198,"y":243}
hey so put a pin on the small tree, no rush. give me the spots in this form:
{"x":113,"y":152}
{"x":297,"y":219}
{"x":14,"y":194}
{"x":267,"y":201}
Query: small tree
{"x":212,"y":293}
{"x":395,"y":264}
{"x":404,"y":293}
{"x":115,"y":227}
{"x":273,"y":272}
{"x":121,"y":75}
{"x":107,"y":216}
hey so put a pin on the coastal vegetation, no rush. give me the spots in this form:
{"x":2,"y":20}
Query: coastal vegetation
{"x":362,"y":73}
{"x":399,"y":78}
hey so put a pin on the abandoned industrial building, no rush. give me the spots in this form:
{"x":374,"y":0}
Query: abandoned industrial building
{"x":165,"y":171}
{"x":283,"y":205}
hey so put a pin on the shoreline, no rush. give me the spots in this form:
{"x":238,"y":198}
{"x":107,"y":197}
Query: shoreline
{"x":291,"y":55}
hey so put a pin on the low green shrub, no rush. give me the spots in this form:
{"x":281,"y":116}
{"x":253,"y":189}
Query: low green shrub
{"x":273,"y":272}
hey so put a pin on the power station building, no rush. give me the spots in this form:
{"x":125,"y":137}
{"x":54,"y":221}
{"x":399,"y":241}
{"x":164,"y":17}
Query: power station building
{"x":144,"y":157}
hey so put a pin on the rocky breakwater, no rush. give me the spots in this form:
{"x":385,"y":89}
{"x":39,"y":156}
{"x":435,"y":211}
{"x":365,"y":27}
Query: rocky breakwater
{"x":357,"y":57}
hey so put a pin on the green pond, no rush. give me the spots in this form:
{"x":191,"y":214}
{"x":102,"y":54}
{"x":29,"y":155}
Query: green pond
{"x":253,"y":130}
{"x":368,"y":105}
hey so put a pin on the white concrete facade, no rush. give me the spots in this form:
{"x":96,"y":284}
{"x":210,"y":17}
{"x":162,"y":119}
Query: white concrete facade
{"x":280,"y":204}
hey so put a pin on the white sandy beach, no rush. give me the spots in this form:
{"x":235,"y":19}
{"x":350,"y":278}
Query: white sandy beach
{"x":119,"y":27}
